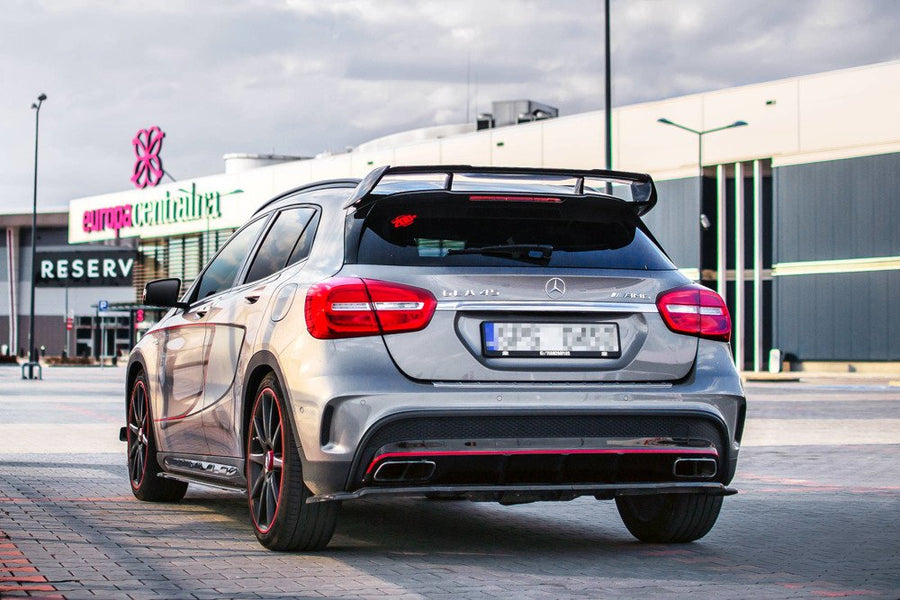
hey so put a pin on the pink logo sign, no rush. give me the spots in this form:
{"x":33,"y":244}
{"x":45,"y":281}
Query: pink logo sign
{"x":101,"y":219}
{"x":148,"y":169}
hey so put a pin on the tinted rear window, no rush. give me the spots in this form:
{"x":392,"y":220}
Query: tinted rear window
{"x":455,"y":231}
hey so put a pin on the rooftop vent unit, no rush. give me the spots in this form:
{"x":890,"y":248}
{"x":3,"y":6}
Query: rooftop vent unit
{"x":484,"y":121}
{"x":513,"y":112}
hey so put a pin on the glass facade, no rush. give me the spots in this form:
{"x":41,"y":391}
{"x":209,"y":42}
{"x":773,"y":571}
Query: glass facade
{"x":182,"y":256}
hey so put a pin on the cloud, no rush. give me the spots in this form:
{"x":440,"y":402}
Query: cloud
{"x":303,"y":76}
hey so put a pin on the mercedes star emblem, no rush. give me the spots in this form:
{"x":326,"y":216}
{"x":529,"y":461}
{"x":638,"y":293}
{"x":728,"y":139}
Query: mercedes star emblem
{"x":555,"y":288}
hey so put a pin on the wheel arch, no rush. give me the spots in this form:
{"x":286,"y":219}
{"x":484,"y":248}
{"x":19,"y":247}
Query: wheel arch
{"x":135,"y":366}
{"x":263,"y":363}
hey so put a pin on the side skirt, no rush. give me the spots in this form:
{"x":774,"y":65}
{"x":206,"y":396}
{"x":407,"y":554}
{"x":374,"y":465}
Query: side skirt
{"x":214,"y":471}
{"x":206,"y":482}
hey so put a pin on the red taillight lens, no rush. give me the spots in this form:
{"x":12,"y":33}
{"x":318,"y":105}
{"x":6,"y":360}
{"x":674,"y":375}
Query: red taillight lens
{"x":338,"y":308}
{"x":695,"y":310}
{"x":348,"y":307}
{"x":400,"y":307}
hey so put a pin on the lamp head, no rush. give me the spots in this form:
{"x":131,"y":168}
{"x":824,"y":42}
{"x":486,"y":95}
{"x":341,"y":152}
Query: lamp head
{"x":42,"y":97}
{"x":664,"y":121}
{"x":739,"y":124}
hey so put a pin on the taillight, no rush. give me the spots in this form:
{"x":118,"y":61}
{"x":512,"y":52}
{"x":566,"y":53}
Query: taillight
{"x":695,"y":310}
{"x":349,"y":307}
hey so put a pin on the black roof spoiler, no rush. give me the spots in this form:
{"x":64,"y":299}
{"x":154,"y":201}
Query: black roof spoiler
{"x":643,"y":190}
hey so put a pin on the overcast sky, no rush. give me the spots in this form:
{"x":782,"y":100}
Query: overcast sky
{"x":301,"y":77}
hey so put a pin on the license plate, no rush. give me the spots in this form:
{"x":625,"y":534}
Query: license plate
{"x":550,"y":340}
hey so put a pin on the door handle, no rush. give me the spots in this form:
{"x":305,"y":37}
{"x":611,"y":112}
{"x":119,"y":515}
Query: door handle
{"x":251,"y":299}
{"x":198,"y":313}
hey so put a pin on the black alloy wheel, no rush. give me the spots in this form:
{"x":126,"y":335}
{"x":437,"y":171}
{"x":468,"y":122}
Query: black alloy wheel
{"x":265,"y":459}
{"x":276,"y":493}
{"x":138,"y":438}
{"x":143,"y":467}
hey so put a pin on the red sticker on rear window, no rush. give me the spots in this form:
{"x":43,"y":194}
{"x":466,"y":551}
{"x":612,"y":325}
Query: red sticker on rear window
{"x":403,"y":221}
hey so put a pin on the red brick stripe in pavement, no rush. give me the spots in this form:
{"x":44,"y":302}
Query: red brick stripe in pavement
{"x":40,"y":500}
{"x":16,"y":580}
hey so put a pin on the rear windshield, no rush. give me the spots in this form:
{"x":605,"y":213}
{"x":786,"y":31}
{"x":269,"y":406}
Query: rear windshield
{"x":443,"y":230}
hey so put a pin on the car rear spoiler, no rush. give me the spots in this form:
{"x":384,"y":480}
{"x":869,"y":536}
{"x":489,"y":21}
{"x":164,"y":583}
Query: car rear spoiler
{"x":641,"y":187}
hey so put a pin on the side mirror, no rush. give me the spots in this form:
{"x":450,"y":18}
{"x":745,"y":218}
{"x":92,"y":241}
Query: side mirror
{"x":163,"y":292}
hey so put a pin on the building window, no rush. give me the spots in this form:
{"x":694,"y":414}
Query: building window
{"x":183,"y":257}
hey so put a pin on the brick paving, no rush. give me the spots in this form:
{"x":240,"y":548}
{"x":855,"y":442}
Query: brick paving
{"x":816,"y":518}
{"x":18,"y":577}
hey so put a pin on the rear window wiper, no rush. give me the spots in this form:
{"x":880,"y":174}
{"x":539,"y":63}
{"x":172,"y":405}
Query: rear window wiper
{"x":517,"y":251}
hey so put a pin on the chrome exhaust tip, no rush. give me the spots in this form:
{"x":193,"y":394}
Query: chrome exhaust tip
{"x":695,"y":467}
{"x":404,"y":471}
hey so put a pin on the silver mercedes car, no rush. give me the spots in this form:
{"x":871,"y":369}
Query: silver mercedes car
{"x":497,"y":334}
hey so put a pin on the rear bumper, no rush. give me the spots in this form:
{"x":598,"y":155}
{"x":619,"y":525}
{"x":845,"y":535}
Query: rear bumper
{"x":343,"y":428}
{"x":487,"y":454}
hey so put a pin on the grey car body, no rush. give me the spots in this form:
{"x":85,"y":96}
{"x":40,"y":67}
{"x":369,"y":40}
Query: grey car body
{"x":650,"y":415}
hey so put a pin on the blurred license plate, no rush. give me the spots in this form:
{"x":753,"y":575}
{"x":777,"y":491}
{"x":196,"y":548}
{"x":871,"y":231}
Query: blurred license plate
{"x":550,"y":340}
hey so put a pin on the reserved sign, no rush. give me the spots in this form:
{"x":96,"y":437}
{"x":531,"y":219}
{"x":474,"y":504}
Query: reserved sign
{"x":84,"y":269}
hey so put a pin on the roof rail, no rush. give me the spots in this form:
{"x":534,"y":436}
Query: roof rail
{"x":641,"y":186}
{"x":329,"y":183}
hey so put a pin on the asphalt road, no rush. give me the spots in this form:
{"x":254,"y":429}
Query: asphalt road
{"x":817,"y":517}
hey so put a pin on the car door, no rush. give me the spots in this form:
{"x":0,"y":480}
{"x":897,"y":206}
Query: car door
{"x":238,"y":317}
{"x":186,"y":341}
{"x":182,"y":360}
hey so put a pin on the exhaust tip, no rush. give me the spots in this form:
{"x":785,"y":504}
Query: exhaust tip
{"x":695,"y":467}
{"x":404,"y":471}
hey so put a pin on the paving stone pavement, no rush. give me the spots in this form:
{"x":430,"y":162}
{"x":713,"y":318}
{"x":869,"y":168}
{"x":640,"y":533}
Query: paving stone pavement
{"x":817,"y":517}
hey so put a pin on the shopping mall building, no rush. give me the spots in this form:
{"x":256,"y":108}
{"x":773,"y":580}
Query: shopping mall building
{"x":795,"y":220}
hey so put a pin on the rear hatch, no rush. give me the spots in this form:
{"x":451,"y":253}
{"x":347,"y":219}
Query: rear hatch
{"x":529,"y":286}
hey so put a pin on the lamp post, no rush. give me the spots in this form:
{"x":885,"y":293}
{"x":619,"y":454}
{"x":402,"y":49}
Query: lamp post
{"x":703,"y":220}
{"x":32,"y":358}
{"x":700,"y":135}
{"x":608,"y":95}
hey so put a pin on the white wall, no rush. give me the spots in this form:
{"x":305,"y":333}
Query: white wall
{"x":826,"y":116}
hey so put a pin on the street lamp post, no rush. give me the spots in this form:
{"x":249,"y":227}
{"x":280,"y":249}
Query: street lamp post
{"x":608,"y":96}
{"x":32,"y":357}
{"x":700,"y":134}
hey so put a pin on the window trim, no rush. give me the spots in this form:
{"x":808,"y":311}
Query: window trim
{"x":289,"y":199}
{"x":316,"y":219}
{"x":190,"y":295}
{"x":248,"y":264}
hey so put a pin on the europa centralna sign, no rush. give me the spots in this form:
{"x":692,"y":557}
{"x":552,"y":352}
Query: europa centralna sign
{"x":188,"y":206}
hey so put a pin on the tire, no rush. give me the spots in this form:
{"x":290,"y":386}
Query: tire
{"x":276,"y":494}
{"x":669,"y":518}
{"x":143,"y":467}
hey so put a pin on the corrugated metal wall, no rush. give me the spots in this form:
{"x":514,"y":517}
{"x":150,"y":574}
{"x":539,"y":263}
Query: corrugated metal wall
{"x":838,"y":209}
{"x":847,"y":316}
{"x":832,"y":211}
{"x":675,"y":221}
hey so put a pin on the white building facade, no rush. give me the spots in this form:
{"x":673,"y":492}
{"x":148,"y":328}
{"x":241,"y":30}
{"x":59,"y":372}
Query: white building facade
{"x":795,"y":219}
